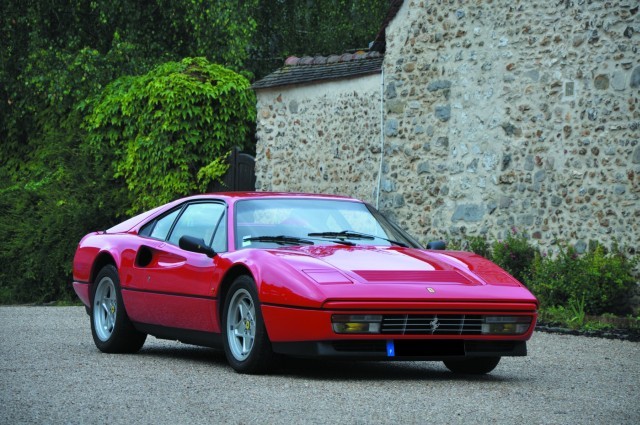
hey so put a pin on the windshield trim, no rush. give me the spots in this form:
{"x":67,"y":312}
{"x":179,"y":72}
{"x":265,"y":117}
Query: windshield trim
{"x":392,"y":231}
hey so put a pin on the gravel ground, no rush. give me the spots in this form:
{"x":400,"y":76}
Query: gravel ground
{"x":50,"y":373}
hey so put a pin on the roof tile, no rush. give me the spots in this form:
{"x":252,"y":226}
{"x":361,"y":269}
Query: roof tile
{"x":308,"y":69}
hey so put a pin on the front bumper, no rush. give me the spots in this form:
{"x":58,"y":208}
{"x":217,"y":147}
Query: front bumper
{"x":290,"y":324}
{"x":403,"y":349}
{"x":309,"y":333}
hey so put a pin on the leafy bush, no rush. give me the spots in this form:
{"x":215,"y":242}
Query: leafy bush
{"x":568,"y":285}
{"x":515,"y":254}
{"x":475,"y":244}
{"x":597,"y":280}
{"x":167,"y":133}
{"x":480,"y":246}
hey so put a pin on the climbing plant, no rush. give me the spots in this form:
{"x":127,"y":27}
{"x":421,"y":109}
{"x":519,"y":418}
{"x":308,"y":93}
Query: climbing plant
{"x":167,"y":132}
{"x":64,"y":170}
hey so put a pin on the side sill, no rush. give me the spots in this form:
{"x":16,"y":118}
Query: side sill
{"x":186,"y":336}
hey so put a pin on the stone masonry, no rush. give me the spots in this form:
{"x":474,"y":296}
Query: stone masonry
{"x":496,"y":114}
{"x":323,"y":138}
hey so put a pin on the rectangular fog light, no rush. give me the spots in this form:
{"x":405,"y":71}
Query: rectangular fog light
{"x":356,"y":323}
{"x":505,"y":325}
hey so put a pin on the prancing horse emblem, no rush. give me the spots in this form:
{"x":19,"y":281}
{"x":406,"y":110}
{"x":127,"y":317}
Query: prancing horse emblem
{"x":434,"y":324}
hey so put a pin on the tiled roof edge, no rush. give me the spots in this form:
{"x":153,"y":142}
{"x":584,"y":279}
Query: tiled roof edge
{"x":320,"y":68}
{"x":321,"y":60}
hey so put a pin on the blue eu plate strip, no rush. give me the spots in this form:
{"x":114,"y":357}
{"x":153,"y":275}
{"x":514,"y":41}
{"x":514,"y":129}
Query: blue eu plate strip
{"x":391,"y":349}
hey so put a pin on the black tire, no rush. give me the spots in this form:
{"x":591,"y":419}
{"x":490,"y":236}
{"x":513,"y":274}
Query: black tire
{"x":111,"y":328}
{"x":244,"y":336}
{"x":473,"y":365}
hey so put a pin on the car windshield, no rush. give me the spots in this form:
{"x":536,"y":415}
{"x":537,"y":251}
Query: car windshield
{"x":268,"y":223}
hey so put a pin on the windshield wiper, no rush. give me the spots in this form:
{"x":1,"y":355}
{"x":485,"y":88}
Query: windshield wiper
{"x":350,"y":234}
{"x":280,"y":240}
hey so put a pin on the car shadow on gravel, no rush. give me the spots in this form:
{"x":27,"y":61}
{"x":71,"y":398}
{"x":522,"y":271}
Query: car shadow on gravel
{"x":185,"y":352}
{"x":328,"y":370}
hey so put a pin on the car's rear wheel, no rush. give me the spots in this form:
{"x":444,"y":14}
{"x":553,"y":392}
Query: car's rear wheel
{"x":246,"y":343}
{"x":110,"y":326}
{"x":473,"y":365}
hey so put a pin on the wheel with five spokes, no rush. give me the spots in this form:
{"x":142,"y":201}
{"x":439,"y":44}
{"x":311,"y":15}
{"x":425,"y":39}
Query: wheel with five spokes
{"x":111,"y":328}
{"x":246,"y":343}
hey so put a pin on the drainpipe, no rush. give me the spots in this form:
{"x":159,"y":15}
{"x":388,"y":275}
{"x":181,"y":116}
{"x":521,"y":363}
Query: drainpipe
{"x":381,"y":137}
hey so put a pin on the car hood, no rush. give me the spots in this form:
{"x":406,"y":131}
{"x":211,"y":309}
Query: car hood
{"x":316,"y":276}
{"x":375,"y":265}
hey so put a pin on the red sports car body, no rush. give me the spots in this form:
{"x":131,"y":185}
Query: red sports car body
{"x":270,"y":274}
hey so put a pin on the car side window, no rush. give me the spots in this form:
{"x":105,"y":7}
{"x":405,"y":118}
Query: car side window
{"x":199,"y":220}
{"x":159,"y":228}
{"x":219,"y":243}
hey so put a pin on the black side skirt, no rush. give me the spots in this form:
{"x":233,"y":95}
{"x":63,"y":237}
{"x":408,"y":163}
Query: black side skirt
{"x":187,"y":336}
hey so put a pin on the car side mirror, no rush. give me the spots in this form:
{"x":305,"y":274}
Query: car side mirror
{"x":439,"y":245}
{"x":193,"y":244}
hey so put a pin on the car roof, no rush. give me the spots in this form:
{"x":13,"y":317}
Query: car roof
{"x":253,"y":195}
{"x":228,"y":197}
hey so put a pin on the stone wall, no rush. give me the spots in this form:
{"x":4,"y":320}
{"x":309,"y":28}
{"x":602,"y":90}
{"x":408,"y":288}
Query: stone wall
{"x":323,"y":138}
{"x":496,"y":114}
{"x":514,"y":113}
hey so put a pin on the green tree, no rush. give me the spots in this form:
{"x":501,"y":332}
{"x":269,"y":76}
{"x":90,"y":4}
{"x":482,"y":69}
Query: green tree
{"x":56,"y":59}
{"x":54,"y":56}
{"x":167,"y":132}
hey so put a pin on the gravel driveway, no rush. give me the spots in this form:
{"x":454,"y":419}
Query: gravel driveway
{"x":50,"y":372}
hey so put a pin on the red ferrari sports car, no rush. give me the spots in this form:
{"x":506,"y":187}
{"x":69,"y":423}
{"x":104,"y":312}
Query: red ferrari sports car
{"x":266,"y":275}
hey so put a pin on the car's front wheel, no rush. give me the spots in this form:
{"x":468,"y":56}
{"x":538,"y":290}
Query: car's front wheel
{"x":110,"y":326}
{"x":246,"y":343}
{"x":473,"y":365}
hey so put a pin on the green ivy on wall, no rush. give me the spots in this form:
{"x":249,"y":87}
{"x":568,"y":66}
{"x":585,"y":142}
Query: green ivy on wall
{"x":167,"y":133}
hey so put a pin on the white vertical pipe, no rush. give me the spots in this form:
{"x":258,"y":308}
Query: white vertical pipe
{"x":381,"y":137}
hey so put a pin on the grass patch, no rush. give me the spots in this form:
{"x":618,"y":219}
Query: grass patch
{"x":574,"y":318}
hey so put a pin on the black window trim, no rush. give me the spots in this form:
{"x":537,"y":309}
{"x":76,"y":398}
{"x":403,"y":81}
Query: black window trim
{"x":182,"y":207}
{"x":155,"y":221}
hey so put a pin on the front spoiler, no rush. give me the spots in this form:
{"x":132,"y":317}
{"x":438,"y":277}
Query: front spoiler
{"x":402,"y":349}
{"x":82,"y":291}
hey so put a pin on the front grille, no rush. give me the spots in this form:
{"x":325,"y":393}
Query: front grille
{"x":432,"y":324}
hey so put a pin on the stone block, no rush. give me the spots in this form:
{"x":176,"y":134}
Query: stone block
{"x":469,"y":212}
{"x":601,"y":82}
{"x":439,"y":85}
{"x":423,"y":168}
{"x":529,"y":163}
{"x":526,"y":220}
{"x":505,"y":202}
{"x":443,"y":113}
{"x":473,"y":166}
{"x":395,"y":106}
{"x":635,"y":157}
{"x":634,"y":82}
{"x":391,"y":90}
{"x":387,"y":185}
{"x":619,"y":80}
{"x":391,"y":127}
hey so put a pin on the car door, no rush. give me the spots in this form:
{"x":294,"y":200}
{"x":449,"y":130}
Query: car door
{"x":174,"y":287}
